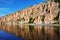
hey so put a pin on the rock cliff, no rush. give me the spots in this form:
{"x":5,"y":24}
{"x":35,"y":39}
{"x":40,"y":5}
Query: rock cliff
{"x":47,"y":12}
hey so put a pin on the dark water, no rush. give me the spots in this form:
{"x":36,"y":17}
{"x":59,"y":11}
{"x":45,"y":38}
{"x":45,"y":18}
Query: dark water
{"x":6,"y":36}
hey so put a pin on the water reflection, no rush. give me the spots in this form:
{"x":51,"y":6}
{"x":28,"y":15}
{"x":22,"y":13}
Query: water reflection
{"x":6,"y":36}
{"x":33,"y":32}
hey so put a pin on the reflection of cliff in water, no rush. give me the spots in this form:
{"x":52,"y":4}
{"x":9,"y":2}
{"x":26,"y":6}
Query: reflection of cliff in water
{"x":33,"y":32}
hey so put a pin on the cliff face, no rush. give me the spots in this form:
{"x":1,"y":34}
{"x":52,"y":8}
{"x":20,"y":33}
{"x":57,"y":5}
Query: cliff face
{"x":44,"y":12}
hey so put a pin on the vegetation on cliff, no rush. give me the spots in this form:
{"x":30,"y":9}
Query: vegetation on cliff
{"x":43,"y":18}
{"x":56,"y":19}
{"x":31,"y":20}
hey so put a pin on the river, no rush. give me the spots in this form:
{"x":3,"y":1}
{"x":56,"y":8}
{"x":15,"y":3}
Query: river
{"x":29,"y":32}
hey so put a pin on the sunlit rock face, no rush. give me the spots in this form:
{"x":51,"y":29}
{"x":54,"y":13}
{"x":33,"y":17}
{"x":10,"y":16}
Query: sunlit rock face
{"x":43,"y":12}
{"x":52,"y":11}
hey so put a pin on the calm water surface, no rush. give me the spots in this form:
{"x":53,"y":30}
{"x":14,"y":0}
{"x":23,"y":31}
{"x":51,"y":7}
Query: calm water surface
{"x":29,"y":32}
{"x":6,"y":36}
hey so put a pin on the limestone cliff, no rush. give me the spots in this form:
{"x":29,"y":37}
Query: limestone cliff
{"x":43,"y":12}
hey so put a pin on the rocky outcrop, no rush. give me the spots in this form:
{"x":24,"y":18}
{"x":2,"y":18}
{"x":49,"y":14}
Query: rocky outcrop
{"x":43,"y":12}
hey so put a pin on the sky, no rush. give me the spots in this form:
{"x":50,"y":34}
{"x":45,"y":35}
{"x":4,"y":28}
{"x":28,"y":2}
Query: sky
{"x":11,"y":6}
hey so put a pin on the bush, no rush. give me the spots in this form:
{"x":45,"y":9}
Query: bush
{"x":43,"y":18}
{"x":57,"y":17}
{"x":31,"y":28}
{"x":31,"y":20}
